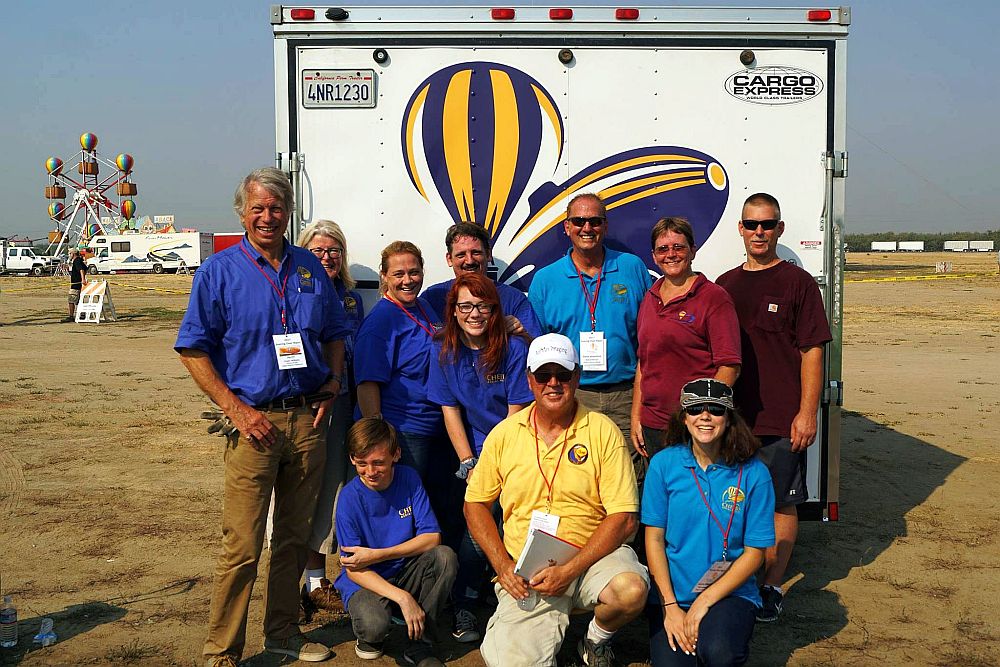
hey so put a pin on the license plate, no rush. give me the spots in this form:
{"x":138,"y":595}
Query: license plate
{"x":337,"y":88}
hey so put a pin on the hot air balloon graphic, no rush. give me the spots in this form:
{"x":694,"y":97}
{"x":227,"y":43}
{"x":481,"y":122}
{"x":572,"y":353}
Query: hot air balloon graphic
{"x":128,"y":209}
{"x":124,"y":162}
{"x":53,"y":166}
{"x":88,"y":140}
{"x":56,"y":210}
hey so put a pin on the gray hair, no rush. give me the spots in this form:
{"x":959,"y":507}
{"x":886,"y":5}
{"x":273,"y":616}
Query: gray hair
{"x":331,"y":230}
{"x":273,"y":180}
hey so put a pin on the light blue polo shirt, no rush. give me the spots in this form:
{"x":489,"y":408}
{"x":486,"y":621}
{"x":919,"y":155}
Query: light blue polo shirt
{"x":558,"y":301}
{"x":671,"y":500}
{"x":484,"y":399}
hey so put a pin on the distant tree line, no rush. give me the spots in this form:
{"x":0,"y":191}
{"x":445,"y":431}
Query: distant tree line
{"x":932,"y":241}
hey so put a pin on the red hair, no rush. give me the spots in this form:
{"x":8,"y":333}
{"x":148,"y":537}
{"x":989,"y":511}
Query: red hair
{"x":496,"y":329}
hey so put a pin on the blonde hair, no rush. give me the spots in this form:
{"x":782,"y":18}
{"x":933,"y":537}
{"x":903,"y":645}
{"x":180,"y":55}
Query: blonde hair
{"x":397,"y":248}
{"x":331,"y":230}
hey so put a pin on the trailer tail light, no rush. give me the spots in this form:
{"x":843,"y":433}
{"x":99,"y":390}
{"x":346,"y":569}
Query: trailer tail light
{"x":819,"y":15}
{"x":626,"y":14}
{"x":502,"y":13}
{"x":303,"y":14}
{"x":833,"y":512}
{"x":560,"y":14}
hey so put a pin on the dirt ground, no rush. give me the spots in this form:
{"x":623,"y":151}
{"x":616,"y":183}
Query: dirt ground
{"x":110,"y":489}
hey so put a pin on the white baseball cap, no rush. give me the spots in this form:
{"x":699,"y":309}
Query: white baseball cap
{"x":552,"y":348}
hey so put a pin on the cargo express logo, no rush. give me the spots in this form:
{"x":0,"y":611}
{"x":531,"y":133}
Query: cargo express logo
{"x":774,"y":85}
{"x":484,"y":140}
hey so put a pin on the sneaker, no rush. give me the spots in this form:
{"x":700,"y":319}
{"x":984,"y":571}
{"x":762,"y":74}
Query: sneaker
{"x":771,"y":609}
{"x":465,"y":627}
{"x":298,"y":647}
{"x":367,"y":651}
{"x":420,"y":654}
{"x":326,"y":597}
{"x":224,"y":660}
{"x":595,"y":655}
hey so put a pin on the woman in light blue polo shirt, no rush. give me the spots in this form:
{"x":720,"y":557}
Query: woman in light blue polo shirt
{"x":479,"y":377}
{"x":708,"y":511}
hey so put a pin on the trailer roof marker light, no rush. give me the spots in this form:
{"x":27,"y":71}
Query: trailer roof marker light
{"x":819,"y":15}
{"x":626,"y":13}
{"x":502,"y":13}
{"x":747,"y":57}
{"x":337,"y":14}
{"x":560,"y":14}
{"x":381,"y":56}
{"x":300,"y":14}
{"x":565,"y":56}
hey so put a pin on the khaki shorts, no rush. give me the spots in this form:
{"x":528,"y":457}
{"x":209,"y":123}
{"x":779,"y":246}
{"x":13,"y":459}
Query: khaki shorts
{"x":516,"y":638}
{"x":74,"y":296}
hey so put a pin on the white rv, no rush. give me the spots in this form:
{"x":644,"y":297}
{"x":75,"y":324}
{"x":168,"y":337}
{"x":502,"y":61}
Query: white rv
{"x":399,"y":121}
{"x":156,"y":253}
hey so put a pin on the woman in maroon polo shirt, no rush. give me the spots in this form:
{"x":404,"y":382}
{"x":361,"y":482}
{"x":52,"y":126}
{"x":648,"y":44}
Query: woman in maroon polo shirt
{"x":688,"y":329}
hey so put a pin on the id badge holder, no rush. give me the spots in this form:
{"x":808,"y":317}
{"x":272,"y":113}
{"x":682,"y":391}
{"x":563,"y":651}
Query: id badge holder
{"x":593,"y":351}
{"x":289,"y":351}
{"x":543,"y":521}
{"x":718,"y":568}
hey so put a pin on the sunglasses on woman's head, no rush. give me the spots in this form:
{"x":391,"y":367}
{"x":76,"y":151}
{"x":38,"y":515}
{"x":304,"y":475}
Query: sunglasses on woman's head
{"x":714,"y":409}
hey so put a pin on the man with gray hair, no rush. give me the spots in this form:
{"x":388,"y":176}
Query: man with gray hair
{"x":263,"y":337}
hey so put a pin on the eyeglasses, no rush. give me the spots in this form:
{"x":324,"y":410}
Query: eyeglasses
{"x":595,"y":221}
{"x":466,"y":307}
{"x":664,"y":249}
{"x":766,"y":225}
{"x":562,"y":376}
{"x":329,"y":252}
{"x":714,"y":409}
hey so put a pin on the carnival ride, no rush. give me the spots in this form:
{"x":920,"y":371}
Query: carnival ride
{"x":91,"y":211}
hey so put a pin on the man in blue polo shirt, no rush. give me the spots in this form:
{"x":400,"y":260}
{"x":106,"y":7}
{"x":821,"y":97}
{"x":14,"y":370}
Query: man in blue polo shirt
{"x":591,"y":295}
{"x":468,"y":251}
{"x":263,"y":337}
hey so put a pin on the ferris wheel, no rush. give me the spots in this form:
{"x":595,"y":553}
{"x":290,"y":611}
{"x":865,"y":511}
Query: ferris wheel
{"x":91,"y":211}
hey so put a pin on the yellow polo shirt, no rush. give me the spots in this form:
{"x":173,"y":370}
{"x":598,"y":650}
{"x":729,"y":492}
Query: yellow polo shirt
{"x":594,"y":479}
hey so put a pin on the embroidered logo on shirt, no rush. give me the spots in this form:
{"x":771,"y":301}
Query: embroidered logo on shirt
{"x":405,"y":512}
{"x":350,"y":304}
{"x":686,"y":317}
{"x":620,"y":292}
{"x":772,"y":307}
{"x":578,"y":454}
{"x":305,"y":277}
{"x":731,"y":495}
{"x":494,"y":378}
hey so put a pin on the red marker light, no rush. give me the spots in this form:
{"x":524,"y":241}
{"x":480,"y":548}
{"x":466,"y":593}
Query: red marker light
{"x":819,"y":15}
{"x":560,"y":14}
{"x":502,"y":13}
{"x":303,"y":14}
{"x":626,"y":14}
{"x":833,"y":511}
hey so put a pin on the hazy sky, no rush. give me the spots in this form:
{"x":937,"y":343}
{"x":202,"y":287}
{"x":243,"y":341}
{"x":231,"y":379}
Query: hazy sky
{"x":186,"y":87}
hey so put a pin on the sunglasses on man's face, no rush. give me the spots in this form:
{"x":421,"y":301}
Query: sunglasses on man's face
{"x":562,"y":376}
{"x":766,"y":225}
{"x":580,"y":221}
{"x":714,"y":409}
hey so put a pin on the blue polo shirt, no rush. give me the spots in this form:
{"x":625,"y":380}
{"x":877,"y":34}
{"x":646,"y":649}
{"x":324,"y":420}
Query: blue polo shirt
{"x":381,"y":519}
{"x":558,"y":300}
{"x":512,"y":301}
{"x":484,"y":400}
{"x":394,"y":351}
{"x":354,"y":310}
{"x":233,"y":311}
{"x":671,"y":500}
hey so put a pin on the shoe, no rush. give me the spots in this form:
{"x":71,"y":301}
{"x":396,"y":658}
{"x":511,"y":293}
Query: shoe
{"x":420,"y":654}
{"x":771,"y":608}
{"x":326,"y":597}
{"x":306,"y":607}
{"x":465,"y":627}
{"x":298,"y":647}
{"x":73,"y":319}
{"x":596,"y":655}
{"x":367,"y":651}
{"x":224,"y":660}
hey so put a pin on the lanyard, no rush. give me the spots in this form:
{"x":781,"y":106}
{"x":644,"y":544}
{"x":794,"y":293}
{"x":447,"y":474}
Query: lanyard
{"x":430,"y":332}
{"x":725,"y":533}
{"x":591,"y":305}
{"x":281,"y":291}
{"x":538,"y":459}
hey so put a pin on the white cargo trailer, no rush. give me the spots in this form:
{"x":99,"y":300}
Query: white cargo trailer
{"x":981,"y":246}
{"x":399,"y":121}
{"x":956,"y":246}
{"x":156,"y":253}
{"x":883,"y":246}
{"x":911,"y":246}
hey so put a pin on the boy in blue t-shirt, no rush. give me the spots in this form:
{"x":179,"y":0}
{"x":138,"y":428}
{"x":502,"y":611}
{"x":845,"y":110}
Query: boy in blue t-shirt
{"x":391,"y":551}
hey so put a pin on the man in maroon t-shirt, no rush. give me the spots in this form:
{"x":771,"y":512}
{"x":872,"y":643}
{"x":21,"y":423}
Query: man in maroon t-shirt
{"x":783,"y":328}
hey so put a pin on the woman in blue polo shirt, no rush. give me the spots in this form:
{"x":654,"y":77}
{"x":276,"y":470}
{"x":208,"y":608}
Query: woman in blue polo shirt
{"x":478,"y":377}
{"x":392,"y":356}
{"x":708,"y":511}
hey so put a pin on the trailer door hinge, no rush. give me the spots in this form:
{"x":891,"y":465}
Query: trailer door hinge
{"x":834,"y":393}
{"x":836,"y":163}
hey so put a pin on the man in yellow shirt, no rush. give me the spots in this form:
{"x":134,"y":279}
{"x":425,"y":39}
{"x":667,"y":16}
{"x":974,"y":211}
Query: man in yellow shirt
{"x":563,"y":469}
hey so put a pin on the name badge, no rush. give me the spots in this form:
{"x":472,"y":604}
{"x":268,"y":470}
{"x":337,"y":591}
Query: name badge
{"x":289,"y":351}
{"x":593,"y":351}
{"x":718,"y":568}
{"x":543,"y":521}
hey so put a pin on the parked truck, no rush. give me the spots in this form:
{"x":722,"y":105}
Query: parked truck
{"x":156,"y":253}
{"x":956,"y":246}
{"x":883,"y":246}
{"x":911,"y":246}
{"x":20,"y":257}
{"x":400,"y":121}
{"x":981,"y":246}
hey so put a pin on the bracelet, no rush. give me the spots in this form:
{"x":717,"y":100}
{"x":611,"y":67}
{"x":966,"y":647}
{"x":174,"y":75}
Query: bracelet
{"x":668,"y":604}
{"x":338,"y":378}
{"x":466,"y":466}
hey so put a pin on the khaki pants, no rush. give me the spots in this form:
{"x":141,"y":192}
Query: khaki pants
{"x":293,"y":467}
{"x":518,"y":638}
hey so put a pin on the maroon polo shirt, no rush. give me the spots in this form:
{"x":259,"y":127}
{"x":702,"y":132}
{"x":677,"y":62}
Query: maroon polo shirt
{"x":687,"y":338}
{"x":781,"y":313}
